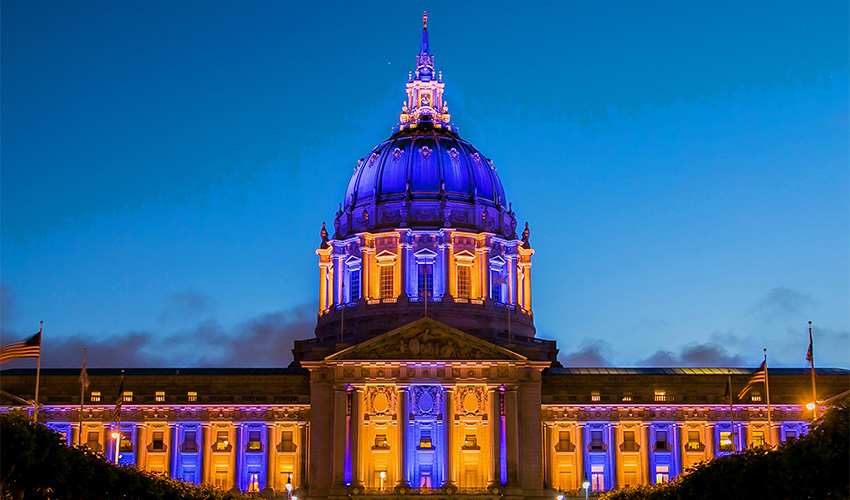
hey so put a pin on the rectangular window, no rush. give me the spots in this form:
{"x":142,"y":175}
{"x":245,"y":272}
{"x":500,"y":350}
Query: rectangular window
{"x":354,"y":285}
{"x":128,"y":396}
{"x":726,"y":441}
{"x":662,"y":474}
{"x":253,"y":482}
{"x":425,"y":440}
{"x":193,"y":396}
{"x":425,"y":476}
{"x":596,"y":441}
{"x":286,"y":443}
{"x":660,"y":395}
{"x":381,"y":441}
{"x":564,"y":443}
{"x":254,"y":443}
{"x":387,"y":282}
{"x":597,"y":478}
{"x":157,"y":443}
{"x":755,"y":398}
{"x":470,"y":442}
{"x":125,"y":444}
{"x":594,"y":396}
{"x":221,"y":442}
{"x":790,"y":435}
{"x":496,"y":282}
{"x":630,"y":477}
{"x":758,"y":439}
{"x":221,"y":478}
{"x":160,"y":397}
{"x":190,"y":442}
{"x":661,"y":440}
{"x":627,"y":398}
{"x":92,"y":441}
{"x":95,"y":397}
{"x":629,"y":441}
{"x":425,"y":281}
{"x":464,"y":281}
{"x":694,"y":443}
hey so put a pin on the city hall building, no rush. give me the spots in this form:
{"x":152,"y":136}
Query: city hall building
{"x":425,"y":375}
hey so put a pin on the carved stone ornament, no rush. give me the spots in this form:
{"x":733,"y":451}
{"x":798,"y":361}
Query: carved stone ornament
{"x":425,"y":151}
{"x":381,"y":400}
{"x":373,"y":158}
{"x":455,"y":156}
{"x":425,"y":339}
{"x":396,"y":154}
{"x":426,"y":400}
{"x":477,"y":157}
{"x":470,"y":400}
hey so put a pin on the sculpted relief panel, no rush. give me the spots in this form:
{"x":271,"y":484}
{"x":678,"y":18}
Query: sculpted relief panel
{"x":381,"y":400}
{"x":426,"y":400}
{"x":471,"y":400}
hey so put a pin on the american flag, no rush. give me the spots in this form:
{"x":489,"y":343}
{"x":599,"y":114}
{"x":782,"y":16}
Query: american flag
{"x":30,"y":348}
{"x":116,"y":414}
{"x":810,"y":354}
{"x":758,"y":377}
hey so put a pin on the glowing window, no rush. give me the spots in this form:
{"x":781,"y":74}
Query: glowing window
{"x":387,"y":282}
{"x":594,"y":396}
{"x":221,"y":442}
{"x":662,"y":474}
{"x":496,"y":282}
{"x":254,"y":441}
{"x":354,"y":285}
{"x":629,"y":441}
{"x":755,"y":398}
{"x":158,"y":443}
{"x":160,"y":397}
{"x":193,"y":396}
{"x":286,"y":443}
{"x":128,"y":396}
{"x":627,"y":398}
{"x":425,"y":281}
{"x":381,"y":441}
{"x":95,"y":397}
{"x":253,"y":482}
{"x":190,"y":442}
{"x":726,"y":441}
{"x":758,"y":439}
{"x":694,"y":443}
{"x":125,"y":444}
{"x":463,"y":281}
{"x":470,"y":442}
{"x":660,"y":395}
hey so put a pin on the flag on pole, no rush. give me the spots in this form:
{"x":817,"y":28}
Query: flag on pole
{"x":84,"y":375}
{"x":810,"y":354}
{"x":30,"y":348}
{"x":116,"y":414}
{"x":759,"y":377}
{"x":727,"y":394}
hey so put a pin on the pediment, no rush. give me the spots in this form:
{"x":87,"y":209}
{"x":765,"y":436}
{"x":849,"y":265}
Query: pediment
{"x":425,"y":339}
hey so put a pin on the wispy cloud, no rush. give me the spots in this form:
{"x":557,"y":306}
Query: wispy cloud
{"x":782,"y":301}
{"x":186,"y":306}
{"x":693,"y":355}
{"x":590,"y":353}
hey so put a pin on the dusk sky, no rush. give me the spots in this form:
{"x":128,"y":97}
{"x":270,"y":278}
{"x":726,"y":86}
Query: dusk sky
{"x":166,"y":168}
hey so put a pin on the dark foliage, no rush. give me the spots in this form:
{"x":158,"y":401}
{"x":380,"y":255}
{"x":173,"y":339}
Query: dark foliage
{"x":35,"y":463}
{"x":817,"y":467}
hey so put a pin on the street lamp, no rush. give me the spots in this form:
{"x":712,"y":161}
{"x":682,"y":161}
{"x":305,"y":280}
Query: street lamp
{"x":560,"y":496}
{"x":586,"y":486}
{"x":117,"y":437}
{"x":383,"y":475}
{"x":810,"y":406}
{"x":289,"y":487}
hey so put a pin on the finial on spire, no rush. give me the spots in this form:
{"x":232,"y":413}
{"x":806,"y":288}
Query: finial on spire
{"x":424,"y":19}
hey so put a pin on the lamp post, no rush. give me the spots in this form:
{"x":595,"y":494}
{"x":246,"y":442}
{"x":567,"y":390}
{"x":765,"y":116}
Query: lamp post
{"x":560,"y":496}
{"x":289,"y":487}
{"x":116,"y":435}
{"x":383,"y":475}
{"x":586,"y":486}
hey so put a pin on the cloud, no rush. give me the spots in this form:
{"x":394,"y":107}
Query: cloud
{"x":782,"y":301}
{"x":186,"y":305}
{"x":264,"y":341}
{"x":591,"y":353}
{"x":694,"y":355}
{"x":7,"y":304}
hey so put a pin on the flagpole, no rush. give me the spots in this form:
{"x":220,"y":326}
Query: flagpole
{"x":814,"y":390}
{"x":38,"y":370}
{"x":767,"y":390}
{"x":82,"y":401}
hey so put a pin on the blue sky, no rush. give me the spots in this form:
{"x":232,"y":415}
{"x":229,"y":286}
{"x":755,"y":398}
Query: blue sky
{"x":684,"y":169}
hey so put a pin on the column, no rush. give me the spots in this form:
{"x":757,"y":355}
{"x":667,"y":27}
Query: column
{"x":141,"y":446}
{"x":512,"y":279}
{"x":710,"y":441}
{"x":206,"y":454}
{"x":581,"y":450}
{"x":271,"y":456}
{"x":303,"y":475}
{"x":448,"y":417}
{"x":235,"y":470}
{"x":338,"y":446}
{"x":323,"y":286}
{"x":172,"y":450}
{"x":512,"y":486}
{"x":495,"y":436}
{"x":74,"y":438}
{"x":403,"y":444}
{"x":357,"y":425}
{"x":532,"y":468}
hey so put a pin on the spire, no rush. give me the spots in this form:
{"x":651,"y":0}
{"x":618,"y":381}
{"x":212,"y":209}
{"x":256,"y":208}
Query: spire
{"x":424,"y":49}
